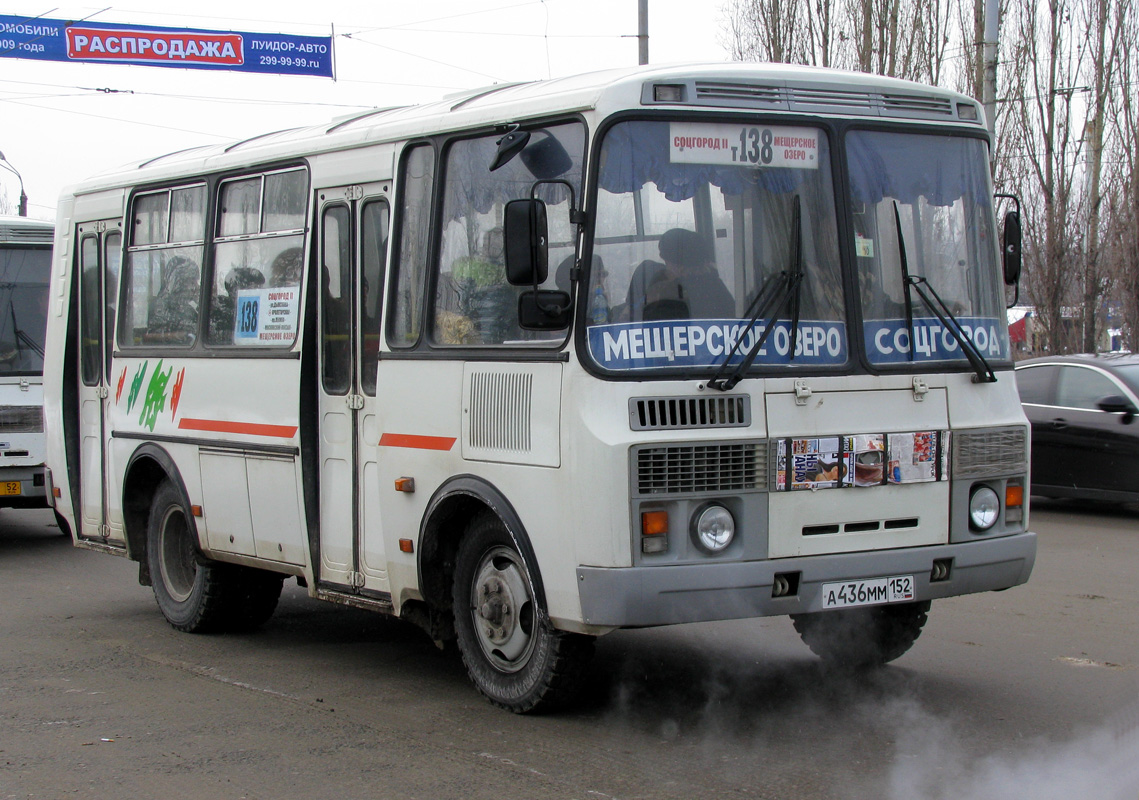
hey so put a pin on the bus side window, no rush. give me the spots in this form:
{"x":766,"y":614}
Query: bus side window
{"x":259,"y":247}
{"x":89,"y":313}
{"x":335,"y":300}
{"x":417,"y":177}
{"x":163,"y":275}
{"x":374,"y":223}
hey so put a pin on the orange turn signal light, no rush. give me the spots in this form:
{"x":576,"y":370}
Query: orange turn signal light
{"x":654,"y":523}
{"x":406,"y":546}
{"x":1014,"y":495}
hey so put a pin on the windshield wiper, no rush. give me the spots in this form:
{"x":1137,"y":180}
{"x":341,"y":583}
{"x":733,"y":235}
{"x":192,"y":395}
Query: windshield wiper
{"x":770,"y":298}
{"x":985,"y":372}
{"x":21,"y":336}
{"x":904,"y":262}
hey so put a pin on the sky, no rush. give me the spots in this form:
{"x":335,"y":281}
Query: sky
{"x":63,"y":122}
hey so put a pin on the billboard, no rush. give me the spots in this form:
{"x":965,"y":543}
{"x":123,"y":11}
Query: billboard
{"x":185,"y":48}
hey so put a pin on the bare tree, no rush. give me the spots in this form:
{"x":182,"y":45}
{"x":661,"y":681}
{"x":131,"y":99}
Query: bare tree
{"x":766,"y":30}
{"x":823,"y":37}
{"x":1104,"y":22}
{"x":1039,"y":151}
{"x":1123,"y":194}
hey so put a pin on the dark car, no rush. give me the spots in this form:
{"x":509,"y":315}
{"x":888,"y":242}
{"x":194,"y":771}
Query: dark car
{"x":1085,"y":442}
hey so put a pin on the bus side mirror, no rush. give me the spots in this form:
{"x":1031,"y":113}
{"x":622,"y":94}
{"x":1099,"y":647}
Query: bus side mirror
{"x":544,"y":310}
{"x":1010,"y":247}
{"x":524,"y":231}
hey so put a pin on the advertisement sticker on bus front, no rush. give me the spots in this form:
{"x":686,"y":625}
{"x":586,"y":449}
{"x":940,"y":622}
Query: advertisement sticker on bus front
{"x":888,"y":340}
{"x":707,"y":343}
{"x":725,"y":144}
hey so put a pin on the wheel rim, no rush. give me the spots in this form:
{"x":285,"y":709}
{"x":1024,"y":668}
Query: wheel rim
{"x":502,"y":608}
{"x":178,"y":560}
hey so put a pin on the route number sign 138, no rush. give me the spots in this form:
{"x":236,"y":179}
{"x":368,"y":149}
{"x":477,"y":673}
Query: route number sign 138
{"x":727,"y":144}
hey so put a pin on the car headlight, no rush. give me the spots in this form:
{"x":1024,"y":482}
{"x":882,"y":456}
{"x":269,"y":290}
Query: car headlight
{"x":984,"y":508}
{"x":713,"y":528}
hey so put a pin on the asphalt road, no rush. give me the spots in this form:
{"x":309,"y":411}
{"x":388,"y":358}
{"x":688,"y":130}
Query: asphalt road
{"x":1029,"y":693}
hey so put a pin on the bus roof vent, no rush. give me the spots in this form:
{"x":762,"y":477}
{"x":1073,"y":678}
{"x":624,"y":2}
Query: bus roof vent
{"x":803,"y":97}
{"x":676,"y":413}
{"x":828,"y":98}
{"x":749,"y":94}
{"x":18,"y":233}
{"x":910,"y":105}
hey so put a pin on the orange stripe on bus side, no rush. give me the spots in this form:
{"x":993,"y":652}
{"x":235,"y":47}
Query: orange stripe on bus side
{"x":417,"y":442}
{"x":251,"y":428}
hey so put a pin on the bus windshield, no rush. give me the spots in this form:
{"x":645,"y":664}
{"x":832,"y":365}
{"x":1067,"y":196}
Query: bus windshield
{"x":922,"y":212}
{"x":24,"y":275}
{"x":695,"y":221}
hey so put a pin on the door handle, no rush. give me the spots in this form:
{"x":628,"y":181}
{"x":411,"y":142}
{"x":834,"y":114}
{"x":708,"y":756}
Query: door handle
{"x":1059,"y":424}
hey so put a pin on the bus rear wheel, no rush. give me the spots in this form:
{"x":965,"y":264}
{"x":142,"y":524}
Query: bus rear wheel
{"x":195,"y":594}
{"x":515,"y":658}
{"x":859,"y":638}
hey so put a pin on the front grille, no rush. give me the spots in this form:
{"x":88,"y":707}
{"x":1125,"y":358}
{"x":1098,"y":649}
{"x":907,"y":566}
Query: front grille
{"x":989,"y":452}
{"x":700,"y":468}
{"x":671,"y":413}
{"x":21,"y":419}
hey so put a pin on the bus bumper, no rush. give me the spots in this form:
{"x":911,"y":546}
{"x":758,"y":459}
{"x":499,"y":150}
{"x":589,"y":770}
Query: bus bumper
{"x":32,"y":487}
{"x":666,"y":595}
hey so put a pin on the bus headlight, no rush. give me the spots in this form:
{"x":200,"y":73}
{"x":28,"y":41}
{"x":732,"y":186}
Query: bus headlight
{"x":713,"y":528}
{"x":984,"y":508}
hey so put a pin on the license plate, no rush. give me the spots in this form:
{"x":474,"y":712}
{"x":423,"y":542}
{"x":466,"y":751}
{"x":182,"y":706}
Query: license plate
{"x":897,"y":589}
{"x":11,"y":487}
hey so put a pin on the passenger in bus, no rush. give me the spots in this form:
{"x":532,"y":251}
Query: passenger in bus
{"x":645,"y":274}
{"x":174,"y":310}
{"x":690,"y":286}
{"x":286,"y":268}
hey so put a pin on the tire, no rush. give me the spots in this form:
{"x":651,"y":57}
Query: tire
{"x":256,"y":595}
{"x":193,"y":593}
{"x":858,"y":638}
{"x":512,"y":654}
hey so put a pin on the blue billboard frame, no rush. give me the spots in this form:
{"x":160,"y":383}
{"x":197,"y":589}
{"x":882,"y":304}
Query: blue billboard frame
{"x":183,"y":48}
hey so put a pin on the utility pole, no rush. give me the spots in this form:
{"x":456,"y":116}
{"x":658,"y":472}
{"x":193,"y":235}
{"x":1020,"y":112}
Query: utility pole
{"x":643,"y":31}
{"x":990,"y":52}
{"x":23,"y":208}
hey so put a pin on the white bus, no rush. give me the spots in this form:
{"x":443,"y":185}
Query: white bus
{"x":25,"y":269}
{"x":542,"y":361}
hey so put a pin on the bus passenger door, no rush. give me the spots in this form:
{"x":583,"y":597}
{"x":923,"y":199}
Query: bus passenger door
{"x":353,"y":244}
{"x":100,"y":254}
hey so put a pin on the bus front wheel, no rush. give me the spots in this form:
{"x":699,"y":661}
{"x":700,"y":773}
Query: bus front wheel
{"x":862,"y":637}
{"x":515,"y":658}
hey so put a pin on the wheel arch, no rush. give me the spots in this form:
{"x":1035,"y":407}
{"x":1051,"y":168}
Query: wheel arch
{"x":147,"y":467}
{"x":445,"y":521}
